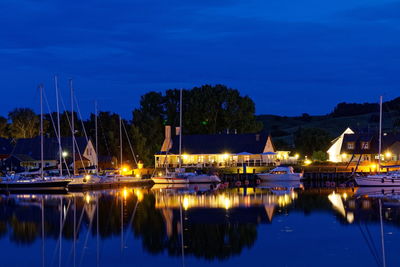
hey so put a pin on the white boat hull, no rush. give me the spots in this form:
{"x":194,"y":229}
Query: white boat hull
{"x":170,"y":180}
{"x":383,"y":181}
{"x":280,"y":177}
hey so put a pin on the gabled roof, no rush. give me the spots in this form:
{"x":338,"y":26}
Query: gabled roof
{"x":6,"y":146}
{"x":220,"y":143}
{"x":373,"y":138}
{"x":31,"y":147}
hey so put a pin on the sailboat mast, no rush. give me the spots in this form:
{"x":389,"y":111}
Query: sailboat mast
{"x":180,"y":129}
{"x":41,"y":132}
{"x":96,"y":139}
{"x":120,"y":140}
{"x":72,"y":126}
{"x":380,"y":134}
{"x":58,"y":127}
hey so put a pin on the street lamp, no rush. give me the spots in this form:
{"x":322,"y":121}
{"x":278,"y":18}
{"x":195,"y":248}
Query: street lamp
{"x":64,"y":154}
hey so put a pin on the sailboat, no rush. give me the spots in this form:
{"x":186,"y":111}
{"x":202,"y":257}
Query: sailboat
{"x":180,"y":177}
{"x":39,"y":181}
{"x":389,"y":179}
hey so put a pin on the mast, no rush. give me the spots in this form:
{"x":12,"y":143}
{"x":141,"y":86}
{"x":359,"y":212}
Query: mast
{"x":120,"y":140}
{"x":380,"y":133}
{"x":180,"y":129}
{"x":41,"y":132}
{"x":72,"y":126}
{"x":58,"y":128}
{"x":96,"y":139}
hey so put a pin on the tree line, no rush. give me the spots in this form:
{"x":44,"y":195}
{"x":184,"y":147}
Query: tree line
{"x":206,"y":110}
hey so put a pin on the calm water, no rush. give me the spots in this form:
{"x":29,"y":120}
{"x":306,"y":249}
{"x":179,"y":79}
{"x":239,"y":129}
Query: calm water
{"x":264,"y":226}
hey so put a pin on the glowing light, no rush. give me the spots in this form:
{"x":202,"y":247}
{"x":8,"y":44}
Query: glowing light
{"x":87,"y":177}
{"x":137,"y":175}
{"x":185,"y":203}
{"x":337,"y":203}
{"x":64,"y":154}
{"x":388,"y":155}
{"x":140,"y":165}
{"x":185,"y":157}
{"x":344,"y":156}
{"x":125,"y":169}
{"x":307,"y":162}
{"x":373,"y":166}
{"x":296,"y":156}
{"x":225,"y":156}
{"x":344,"y":196}
{"x":160,"y":173}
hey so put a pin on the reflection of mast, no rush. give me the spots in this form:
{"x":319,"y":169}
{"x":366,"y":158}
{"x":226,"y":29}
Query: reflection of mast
{"x":74,"y":243}
{"x":182,"y":244}
{"x":382,"y":236}
{"x":43,"y":262}
{"x":97,"y":232}
{"x":122,"y":223}
{"x":61,"y":227}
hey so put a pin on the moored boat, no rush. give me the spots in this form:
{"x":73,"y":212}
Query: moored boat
{"x":281,"y":174}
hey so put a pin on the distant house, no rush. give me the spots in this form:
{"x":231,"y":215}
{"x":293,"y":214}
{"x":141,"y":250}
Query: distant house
{"x":219,"y":151}
{"x":352,"y":146}
{"x":27,"y":153}
{"x":6,"y":148}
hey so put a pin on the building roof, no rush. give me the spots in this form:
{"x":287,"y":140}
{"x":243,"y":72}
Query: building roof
{"x":6,"y":146}
{"x":220,"y":143}
{"x":373,"y":138}
{"x":31,"y":147}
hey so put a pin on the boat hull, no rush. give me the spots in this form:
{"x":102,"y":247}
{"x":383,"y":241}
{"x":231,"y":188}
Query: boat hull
{"x":377,"y":181}
{"x":169,"y":180}
{"x":280,"y":177}
{"x":34,"y":186}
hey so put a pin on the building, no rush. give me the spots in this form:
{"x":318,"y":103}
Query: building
{"x":6,"y":148}
{"x":364,"y":147}
{"x":220,"y":151}
{"x":26,"y":154}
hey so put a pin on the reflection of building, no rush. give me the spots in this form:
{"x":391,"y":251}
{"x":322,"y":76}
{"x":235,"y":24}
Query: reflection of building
{"x":220,"y":151}
{"x":27,"y":153}
{"x":5,"y":151}
{"x":351,"y":146}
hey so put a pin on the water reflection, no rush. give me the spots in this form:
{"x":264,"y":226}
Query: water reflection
{"x":191,"y":220}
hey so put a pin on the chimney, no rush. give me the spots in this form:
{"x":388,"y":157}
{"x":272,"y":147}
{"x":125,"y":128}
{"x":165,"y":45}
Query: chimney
{"x":257,"y":137}
{"x":177,"y":130}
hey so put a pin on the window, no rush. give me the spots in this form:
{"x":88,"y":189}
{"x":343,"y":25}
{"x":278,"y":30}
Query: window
{"x":364,"y":145}
{"x":350,"y":145}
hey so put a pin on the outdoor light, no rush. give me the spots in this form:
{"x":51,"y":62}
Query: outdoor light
{"x":225,"y":156}
{"x":297,"y":156}
{"x":307,"y":162}
{"x":64,"y":154}
{"x":388,"y":155}
{"x":344,"y":155}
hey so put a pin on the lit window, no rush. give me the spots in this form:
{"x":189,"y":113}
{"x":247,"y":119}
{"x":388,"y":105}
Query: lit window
{"x":350,"y":145}
{"x":364,"y":145}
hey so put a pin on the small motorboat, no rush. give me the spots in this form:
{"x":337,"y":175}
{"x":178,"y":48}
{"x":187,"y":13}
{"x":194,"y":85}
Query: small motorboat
{"x":281,"y":174}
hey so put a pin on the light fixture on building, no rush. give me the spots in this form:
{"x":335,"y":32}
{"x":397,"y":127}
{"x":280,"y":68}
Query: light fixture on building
{"x":388,"y":155}
{"x":64,"y":154}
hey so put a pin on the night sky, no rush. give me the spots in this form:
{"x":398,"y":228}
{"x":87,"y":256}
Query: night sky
{"x":290,"y":56}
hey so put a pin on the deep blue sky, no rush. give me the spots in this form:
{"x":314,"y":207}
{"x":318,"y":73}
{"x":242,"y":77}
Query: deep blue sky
{"x":290,"y":56}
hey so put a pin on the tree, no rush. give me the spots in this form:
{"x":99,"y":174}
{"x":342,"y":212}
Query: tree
{"x":309,"y":140}
{"x":24,"y":123}
{"x":320,"y":156}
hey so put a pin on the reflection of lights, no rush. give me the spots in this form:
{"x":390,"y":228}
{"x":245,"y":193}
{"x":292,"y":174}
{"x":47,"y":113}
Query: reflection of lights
{"x":350,"y":217}
{"x":185,"y":202}
{"x":139,"y":194}
{"x":345,"y":195}
{"x":227,"y":203}
{"x":125,"y":193}
{"x":137,"y":175}
{"x":337,"y":203}
{"x":87,"y":198}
